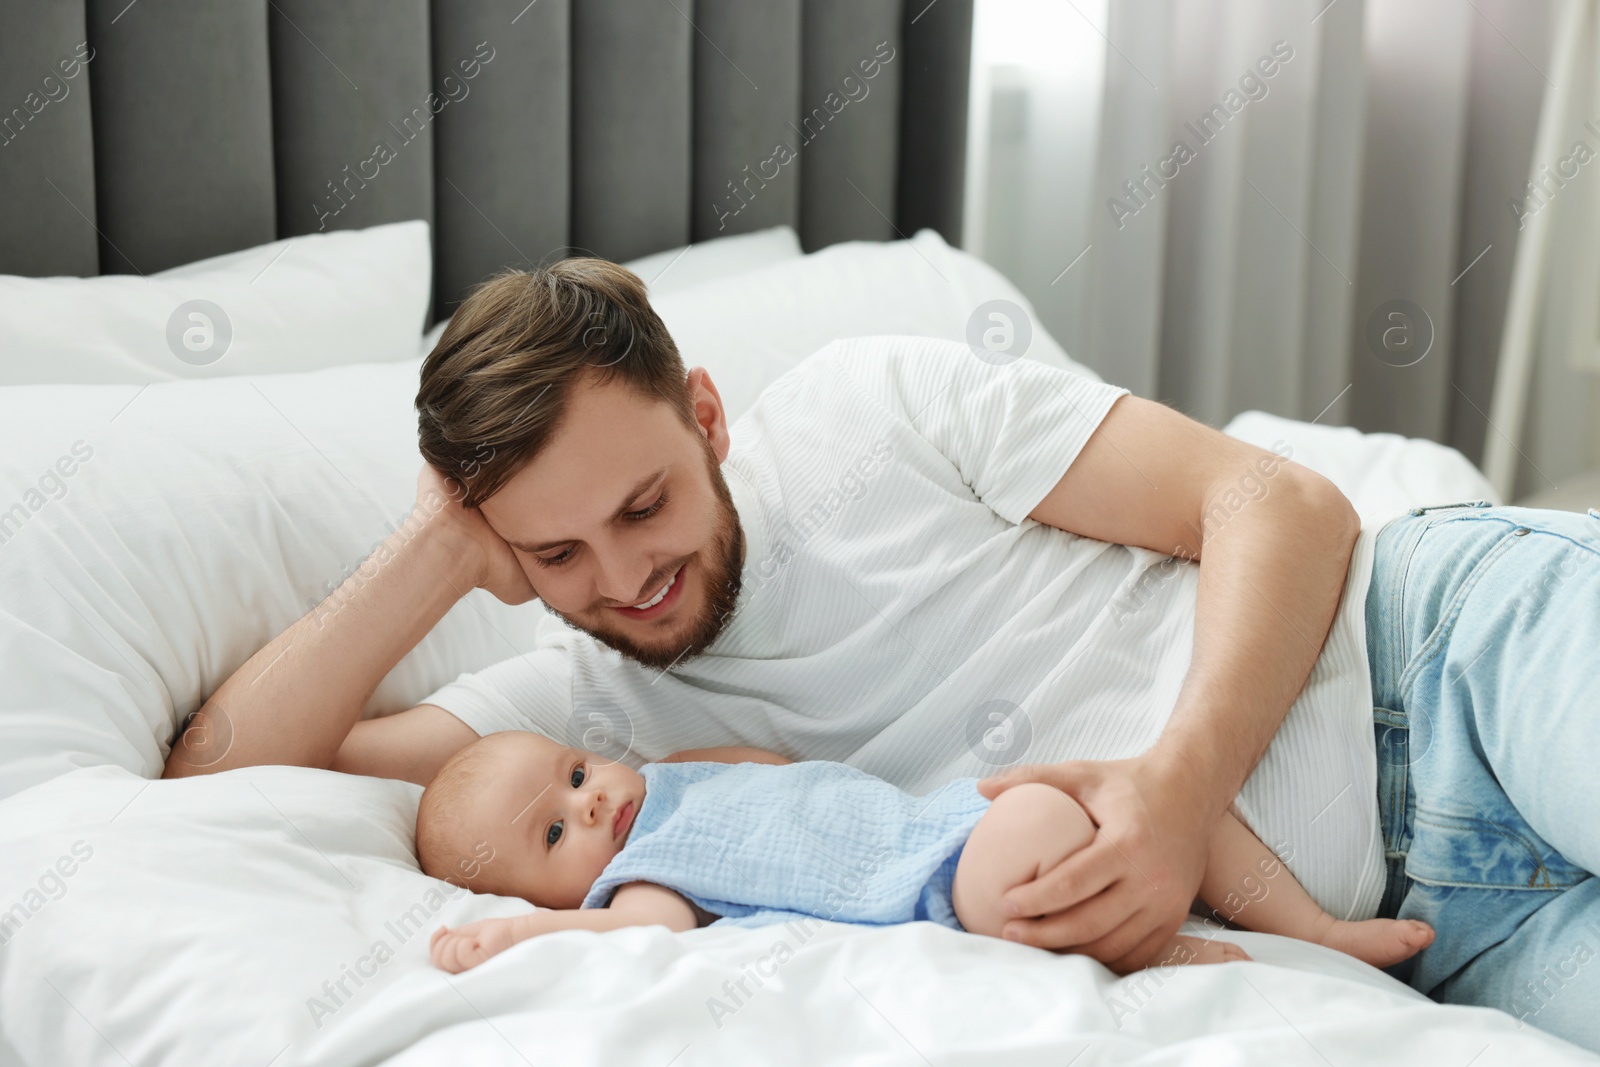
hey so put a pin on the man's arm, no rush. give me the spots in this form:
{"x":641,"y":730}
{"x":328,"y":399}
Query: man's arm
{"x":731,"y":754}
{"x":298,"y":700}
{"x":1273,"y":563}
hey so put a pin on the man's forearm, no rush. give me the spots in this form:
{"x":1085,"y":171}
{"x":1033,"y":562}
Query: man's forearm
{"x":295,"y":700}
{"x":1270,"y":584}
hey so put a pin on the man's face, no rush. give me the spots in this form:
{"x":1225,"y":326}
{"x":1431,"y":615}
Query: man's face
{"x":624,"y":500}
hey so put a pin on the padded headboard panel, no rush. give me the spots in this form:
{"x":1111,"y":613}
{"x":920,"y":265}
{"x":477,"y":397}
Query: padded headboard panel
{"x":521,"y":130}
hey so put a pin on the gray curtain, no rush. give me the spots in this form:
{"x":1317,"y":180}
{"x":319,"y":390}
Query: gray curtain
{"x":1341,"y":164}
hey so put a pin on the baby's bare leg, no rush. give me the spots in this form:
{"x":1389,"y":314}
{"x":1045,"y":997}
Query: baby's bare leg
{"x":1028,"y":829}
{"x":1247,"y":884}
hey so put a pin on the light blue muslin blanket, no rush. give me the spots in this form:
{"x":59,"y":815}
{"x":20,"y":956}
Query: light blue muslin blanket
{"x":760,"y":844}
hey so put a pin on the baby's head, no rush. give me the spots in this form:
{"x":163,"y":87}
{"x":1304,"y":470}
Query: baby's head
{"x":519,"y":815}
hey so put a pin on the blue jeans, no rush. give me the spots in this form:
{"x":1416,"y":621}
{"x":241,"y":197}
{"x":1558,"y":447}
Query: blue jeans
{"x":1483,"y":635}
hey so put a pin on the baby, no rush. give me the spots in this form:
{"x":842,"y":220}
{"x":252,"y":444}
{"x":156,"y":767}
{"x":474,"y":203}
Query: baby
{"x":747,"y":837}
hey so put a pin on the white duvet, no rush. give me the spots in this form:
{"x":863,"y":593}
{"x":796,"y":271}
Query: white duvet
{"x":276,"y":916}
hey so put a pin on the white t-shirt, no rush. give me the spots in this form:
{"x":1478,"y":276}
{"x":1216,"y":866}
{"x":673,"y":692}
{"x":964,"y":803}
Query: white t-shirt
{"x":901,"y":613}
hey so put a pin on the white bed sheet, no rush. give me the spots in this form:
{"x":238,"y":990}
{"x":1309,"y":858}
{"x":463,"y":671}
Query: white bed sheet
{"x":1383,"y":474}
{"x":917,"y":994}
{"x":214,"y":918}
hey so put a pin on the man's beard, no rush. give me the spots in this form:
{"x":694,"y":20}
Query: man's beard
{"x":723,"y":581}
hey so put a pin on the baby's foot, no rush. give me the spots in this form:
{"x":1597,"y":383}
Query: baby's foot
{"x":1380,"y":942}
{"x":1185,"y":950}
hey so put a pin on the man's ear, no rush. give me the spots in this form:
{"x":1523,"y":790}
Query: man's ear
{"x":709,"y":412}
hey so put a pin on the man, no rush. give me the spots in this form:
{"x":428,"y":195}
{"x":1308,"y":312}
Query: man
{"x":921,"y":562}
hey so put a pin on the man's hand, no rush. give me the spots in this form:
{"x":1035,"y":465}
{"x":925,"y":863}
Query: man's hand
{"x":496,"y":565}
{"x":1121,"y":898}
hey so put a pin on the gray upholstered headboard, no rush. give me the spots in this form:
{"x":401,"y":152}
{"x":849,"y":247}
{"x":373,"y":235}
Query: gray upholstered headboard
{"x":611,"y":127}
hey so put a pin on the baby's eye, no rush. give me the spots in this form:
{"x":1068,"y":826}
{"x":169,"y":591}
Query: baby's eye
{"x":577,"y":776}
{"x":552,"y":835}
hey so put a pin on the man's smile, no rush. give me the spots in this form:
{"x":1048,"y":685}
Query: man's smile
{"x":659,"y":604}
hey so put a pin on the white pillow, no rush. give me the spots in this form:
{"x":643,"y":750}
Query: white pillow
{"x":683,"y":268}
{"x":748,"y":330}
{"x":196,"y":921}
{"x":687,"y":266}
{"x":1383,"y":474}
{"x":322,"y":300}
{"x":153,"y":538}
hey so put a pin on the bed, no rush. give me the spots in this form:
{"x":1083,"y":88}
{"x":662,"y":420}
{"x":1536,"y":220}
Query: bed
{"x":175,"y":490}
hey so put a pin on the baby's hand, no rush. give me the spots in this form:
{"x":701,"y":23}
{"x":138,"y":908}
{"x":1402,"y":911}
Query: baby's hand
{"x":469,"y":945}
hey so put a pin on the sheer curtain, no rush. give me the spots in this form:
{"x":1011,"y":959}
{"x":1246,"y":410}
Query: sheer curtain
{"x":1297,"y":206}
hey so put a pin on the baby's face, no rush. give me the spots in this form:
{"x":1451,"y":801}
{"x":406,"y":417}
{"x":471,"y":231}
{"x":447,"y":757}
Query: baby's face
{"x":554,"y":817}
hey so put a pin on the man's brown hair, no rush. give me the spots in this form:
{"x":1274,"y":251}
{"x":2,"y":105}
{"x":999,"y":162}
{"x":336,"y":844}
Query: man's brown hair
{"x":494,"y":389}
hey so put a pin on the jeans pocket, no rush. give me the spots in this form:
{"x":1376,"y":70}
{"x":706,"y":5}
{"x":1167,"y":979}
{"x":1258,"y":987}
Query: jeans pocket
{"x":1472,"y":851}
